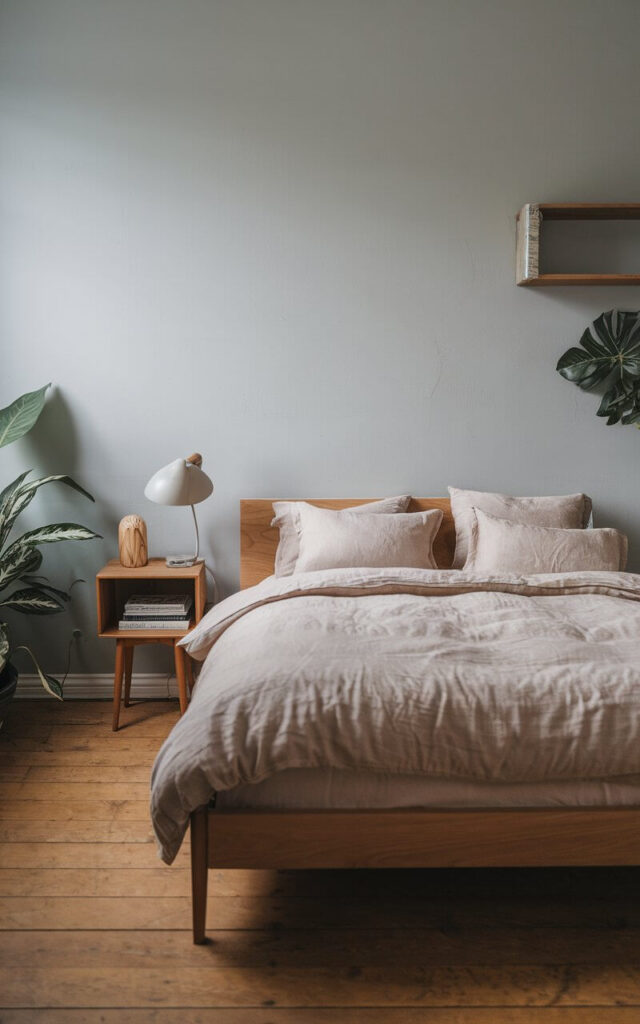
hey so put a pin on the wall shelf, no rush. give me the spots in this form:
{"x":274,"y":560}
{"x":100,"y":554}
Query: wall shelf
{"x":528,"y":231}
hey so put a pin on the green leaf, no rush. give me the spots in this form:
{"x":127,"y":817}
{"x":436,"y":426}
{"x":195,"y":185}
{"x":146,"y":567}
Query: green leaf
{"x":16,"y":561}
{"x":609,"y":355}
{"x":50,"y":683}
{"x":605,"y":328}
{"x":19,"y":417}
{"x":53,"y":533}
{"x":32,"y":601}
{"x":619,"y":402}
{"x":4,"y":644}
{"x":608,"y":401}
{"x":583,"y":368}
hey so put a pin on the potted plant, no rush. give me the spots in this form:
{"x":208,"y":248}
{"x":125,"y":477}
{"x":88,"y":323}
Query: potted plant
{"x":21,"y":558}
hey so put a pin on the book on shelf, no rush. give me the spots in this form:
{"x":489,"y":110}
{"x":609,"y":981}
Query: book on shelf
{"x":173,"y":624}
{"x":146,"y":617}
{"x":158,"y":605}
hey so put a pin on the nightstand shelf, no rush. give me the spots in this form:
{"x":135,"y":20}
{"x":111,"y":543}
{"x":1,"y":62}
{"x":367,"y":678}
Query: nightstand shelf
{"x":115,"y":583}
{"x":113,"y":633}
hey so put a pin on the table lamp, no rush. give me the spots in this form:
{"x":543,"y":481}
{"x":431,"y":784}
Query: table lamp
{"x":182,"y":482}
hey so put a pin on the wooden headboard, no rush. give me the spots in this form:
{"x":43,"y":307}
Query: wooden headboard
{"x":259,"y":540}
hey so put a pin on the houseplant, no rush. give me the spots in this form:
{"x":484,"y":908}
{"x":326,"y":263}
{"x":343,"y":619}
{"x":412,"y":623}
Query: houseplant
{"x":20,"y":559}
{"x":609,"y":358}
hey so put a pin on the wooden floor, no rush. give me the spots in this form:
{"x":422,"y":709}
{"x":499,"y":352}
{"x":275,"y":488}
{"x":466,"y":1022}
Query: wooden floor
{"x":95,"y":928}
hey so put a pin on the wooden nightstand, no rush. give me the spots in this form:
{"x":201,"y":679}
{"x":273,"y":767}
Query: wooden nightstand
{"x":114,"y":584}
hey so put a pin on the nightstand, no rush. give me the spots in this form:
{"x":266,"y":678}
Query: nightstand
{"x":114,"y":584}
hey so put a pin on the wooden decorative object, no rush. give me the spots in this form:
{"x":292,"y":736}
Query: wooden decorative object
{"x":528,"y":231}
{"x":132,"y":542}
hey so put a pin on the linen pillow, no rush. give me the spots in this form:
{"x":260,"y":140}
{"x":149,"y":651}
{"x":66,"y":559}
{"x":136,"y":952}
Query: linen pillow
{"x":342,"y":539}
{"x":500,"y":545}
{"x":288,"y":546}
{"x":565,"y":511}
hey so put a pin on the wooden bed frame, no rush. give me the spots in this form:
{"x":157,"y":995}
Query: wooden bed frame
{"x":529,"y":837}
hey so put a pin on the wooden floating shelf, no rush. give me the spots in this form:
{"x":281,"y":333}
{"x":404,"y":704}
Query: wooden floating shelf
{"x":528,"y":229}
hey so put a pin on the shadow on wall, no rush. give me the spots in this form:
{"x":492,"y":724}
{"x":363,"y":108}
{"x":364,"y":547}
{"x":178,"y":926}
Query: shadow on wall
{"x":54,"y":441}
{"x":54,"y":444}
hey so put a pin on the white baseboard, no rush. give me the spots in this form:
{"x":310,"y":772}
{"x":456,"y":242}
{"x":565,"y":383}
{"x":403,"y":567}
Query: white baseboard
{"x":99,"y":686}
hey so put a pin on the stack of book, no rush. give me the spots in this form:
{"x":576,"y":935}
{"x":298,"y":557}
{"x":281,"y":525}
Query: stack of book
{"x":156,"y":611}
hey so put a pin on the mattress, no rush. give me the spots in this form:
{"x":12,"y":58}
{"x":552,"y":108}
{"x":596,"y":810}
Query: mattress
{"x":325,"y":789}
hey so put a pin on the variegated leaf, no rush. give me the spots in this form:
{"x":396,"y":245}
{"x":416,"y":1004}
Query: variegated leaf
{"x":19,"y":417}
{"x":24,"y":495}
{"x":42,"y":583}
{"x":20,"y":497}
{"x":50,"y":684}
{"x":54,"y":532}
{"x":4,"y":644}
{"x":61,"y":478}
{"x":11,"y":506}
{"x":11,"y":488}
{"x":32,"y":601}
{"x":16,"y":561}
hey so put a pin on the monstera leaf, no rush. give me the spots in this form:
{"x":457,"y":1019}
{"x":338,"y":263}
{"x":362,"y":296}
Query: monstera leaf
{"x":609,"y":358}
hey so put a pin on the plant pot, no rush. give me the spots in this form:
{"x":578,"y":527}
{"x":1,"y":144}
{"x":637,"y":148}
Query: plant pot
{"x":8,"y":684}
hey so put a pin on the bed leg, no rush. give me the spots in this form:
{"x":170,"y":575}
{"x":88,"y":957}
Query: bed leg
{"x":199,"y":872}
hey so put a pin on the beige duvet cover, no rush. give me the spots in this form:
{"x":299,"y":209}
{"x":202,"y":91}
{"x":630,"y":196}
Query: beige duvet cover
{"x":445,"y":673}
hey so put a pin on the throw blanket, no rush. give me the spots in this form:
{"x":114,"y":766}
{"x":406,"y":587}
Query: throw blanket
{"x":444,"y":673}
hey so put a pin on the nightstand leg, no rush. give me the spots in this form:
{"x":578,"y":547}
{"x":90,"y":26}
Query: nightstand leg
{"x":189,"y":673}
{"x":181,"y":677}
{"x":128,"y":666}
{"x":117,"y":683}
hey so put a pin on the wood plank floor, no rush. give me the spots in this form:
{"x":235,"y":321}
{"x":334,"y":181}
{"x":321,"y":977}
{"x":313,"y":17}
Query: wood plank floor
{"x":94,"y":928}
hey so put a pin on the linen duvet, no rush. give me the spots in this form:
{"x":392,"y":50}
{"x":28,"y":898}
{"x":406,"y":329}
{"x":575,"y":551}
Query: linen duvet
{"x":441,"y":673}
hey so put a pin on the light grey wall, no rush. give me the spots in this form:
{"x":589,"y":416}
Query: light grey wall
{"x":282,"y":232}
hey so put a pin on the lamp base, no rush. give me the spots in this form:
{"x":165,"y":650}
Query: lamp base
{"x":180,"y":561}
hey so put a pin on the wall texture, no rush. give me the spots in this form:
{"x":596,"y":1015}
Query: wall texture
{"x":282,"y":232}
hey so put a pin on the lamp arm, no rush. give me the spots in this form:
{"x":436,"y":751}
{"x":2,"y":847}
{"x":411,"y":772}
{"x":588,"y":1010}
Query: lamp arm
{"x":195,"y":523}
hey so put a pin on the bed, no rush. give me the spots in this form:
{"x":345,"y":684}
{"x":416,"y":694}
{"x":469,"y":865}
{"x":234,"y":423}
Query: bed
{"x":591,"y":820}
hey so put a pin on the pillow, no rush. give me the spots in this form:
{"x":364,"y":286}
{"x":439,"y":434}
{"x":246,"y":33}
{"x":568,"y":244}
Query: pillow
{"x":333,"y":540}
{"x":500,"y":545}
{"x":567,"y":512}
{"x":288,"y":547}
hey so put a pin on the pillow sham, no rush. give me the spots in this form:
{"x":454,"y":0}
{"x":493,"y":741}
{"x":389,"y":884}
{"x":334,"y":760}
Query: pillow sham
{"x":500,"y":545}
{"x":565,"y":511}
{"x":346,"y":539}
{"x":288,"y":547}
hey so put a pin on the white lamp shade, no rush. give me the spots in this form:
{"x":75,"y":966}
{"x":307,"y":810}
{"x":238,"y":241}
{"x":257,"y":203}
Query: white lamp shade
{"x":179,"y":483}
